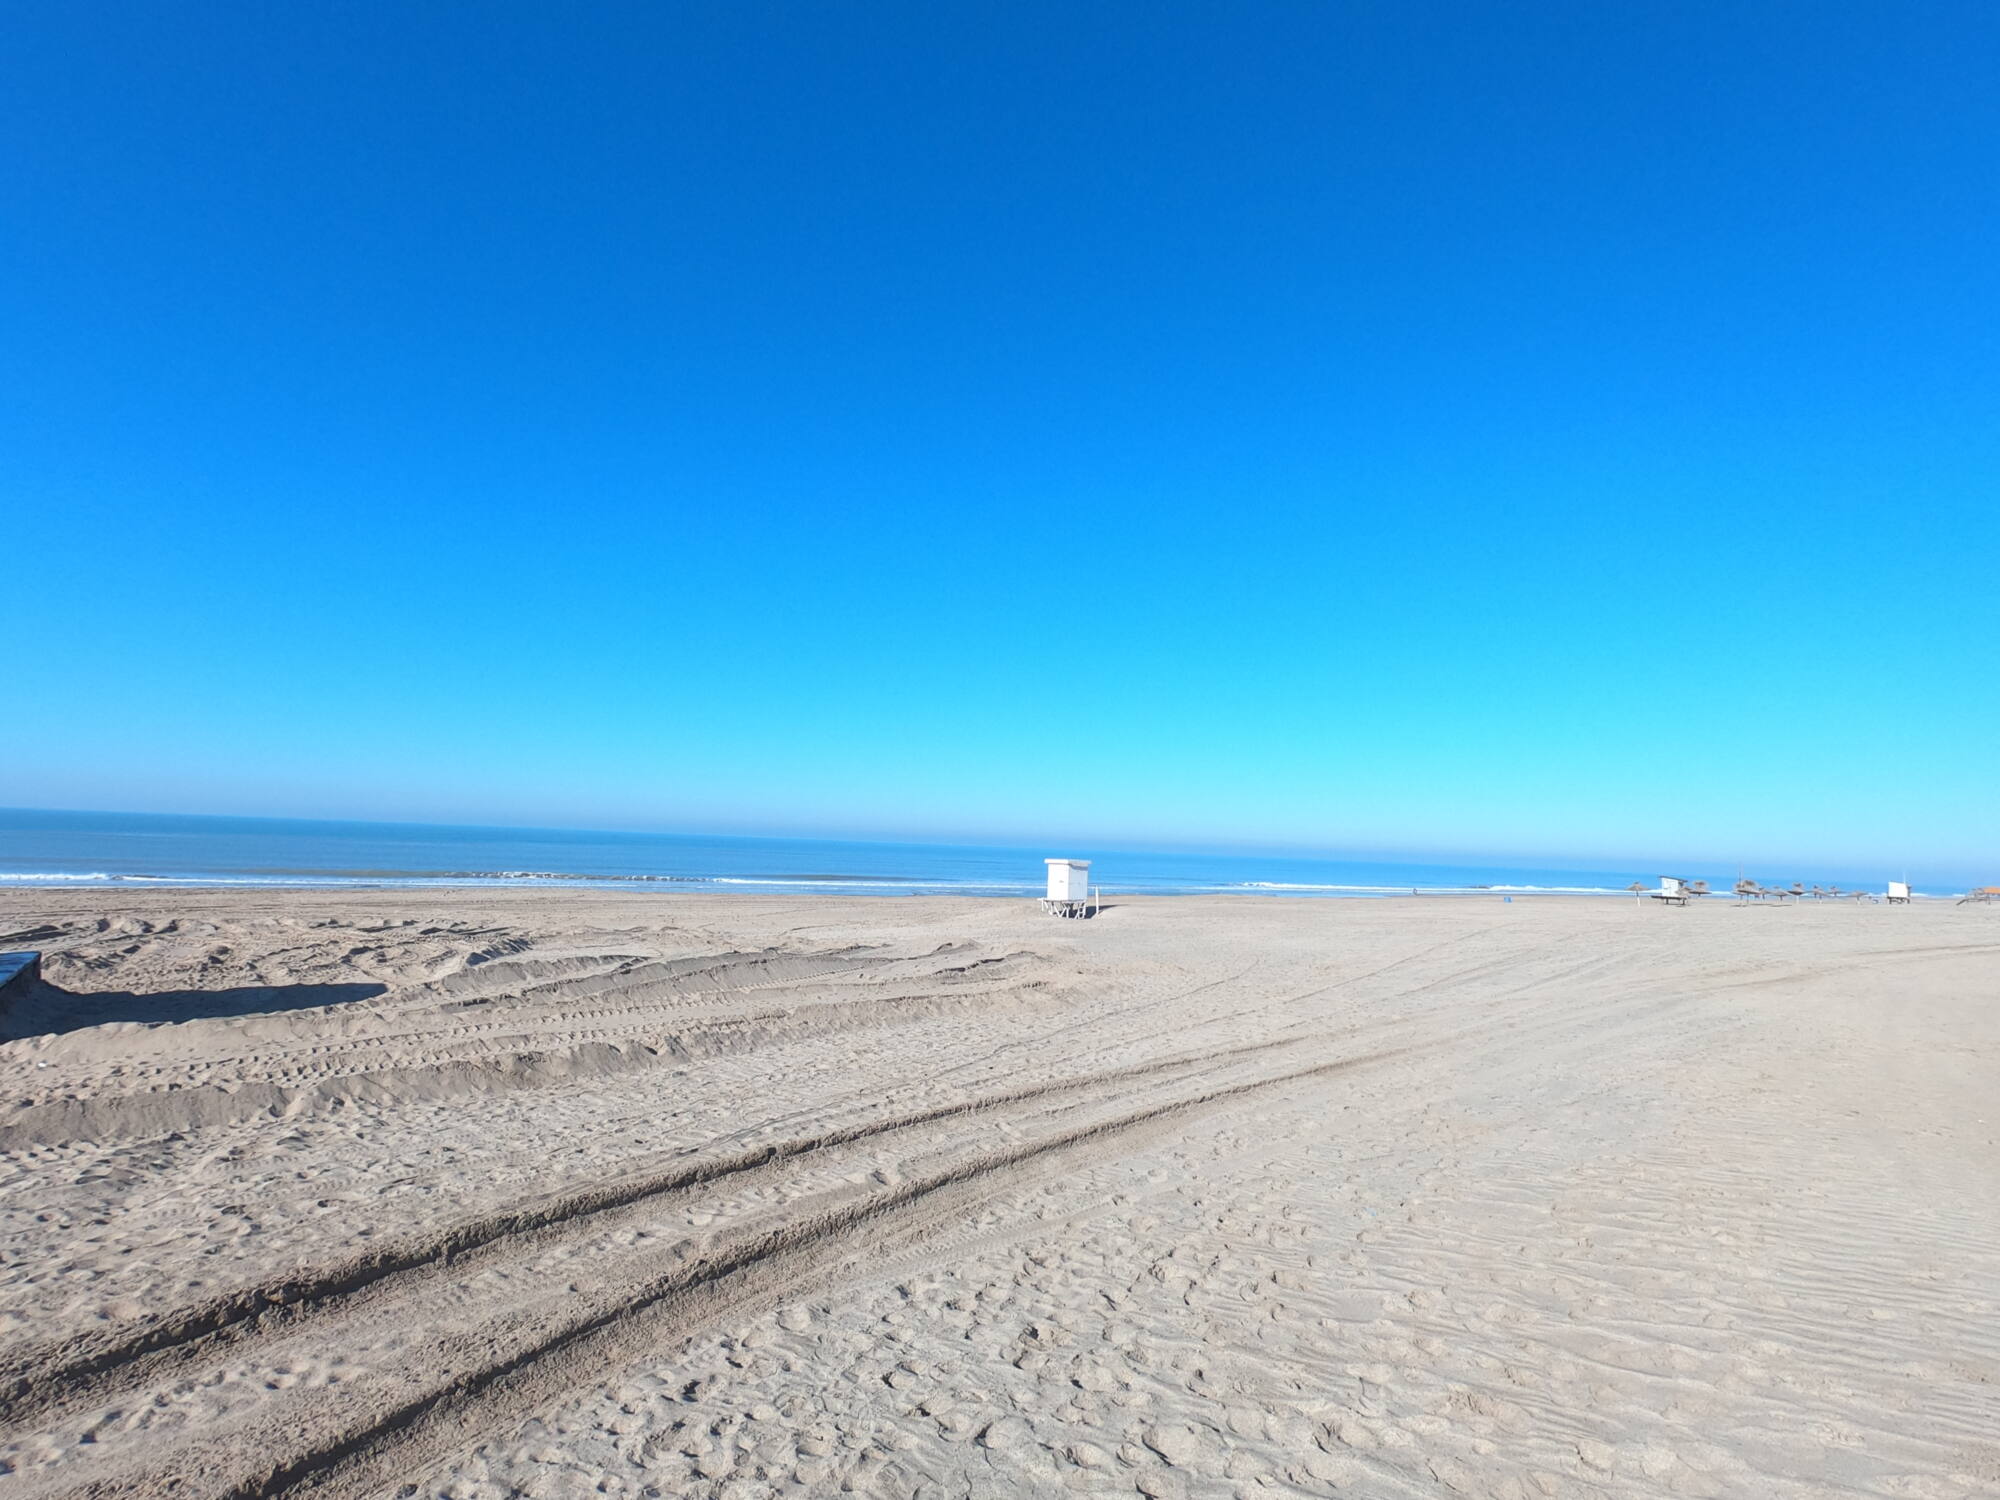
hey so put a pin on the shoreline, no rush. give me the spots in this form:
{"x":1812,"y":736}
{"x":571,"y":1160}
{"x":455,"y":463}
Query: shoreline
{"x":834,"y":889}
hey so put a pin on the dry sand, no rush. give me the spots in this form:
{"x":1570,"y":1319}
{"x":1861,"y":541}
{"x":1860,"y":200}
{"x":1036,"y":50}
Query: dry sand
{"x":478,"y":1194}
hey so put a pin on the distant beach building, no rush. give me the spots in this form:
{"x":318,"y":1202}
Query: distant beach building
{"x":1069,"y":888}
{"x":1899,"y":892}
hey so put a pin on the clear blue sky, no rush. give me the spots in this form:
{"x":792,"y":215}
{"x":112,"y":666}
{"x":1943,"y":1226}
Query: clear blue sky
{"x":1396,"y":426}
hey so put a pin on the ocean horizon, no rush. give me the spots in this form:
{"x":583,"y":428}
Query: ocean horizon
{"x":42,"y":847}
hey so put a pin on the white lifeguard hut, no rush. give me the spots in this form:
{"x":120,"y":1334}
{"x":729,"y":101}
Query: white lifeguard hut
{"x":1672,"y":889}
{"x":1899,"y":893}
{"x":1069,"y":894}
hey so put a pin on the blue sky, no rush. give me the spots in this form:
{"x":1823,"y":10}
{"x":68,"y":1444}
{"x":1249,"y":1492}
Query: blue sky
{"x":1368,"y":427}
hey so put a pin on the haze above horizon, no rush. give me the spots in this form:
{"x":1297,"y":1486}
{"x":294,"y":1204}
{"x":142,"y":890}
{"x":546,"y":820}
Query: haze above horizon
{"x":1376,"y":427}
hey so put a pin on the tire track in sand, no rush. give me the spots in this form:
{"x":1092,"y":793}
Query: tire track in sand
{"x":365,"y":1437}
{"x":39,"y":1380}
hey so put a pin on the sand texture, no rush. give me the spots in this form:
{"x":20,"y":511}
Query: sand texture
{"x":569,"y":1193}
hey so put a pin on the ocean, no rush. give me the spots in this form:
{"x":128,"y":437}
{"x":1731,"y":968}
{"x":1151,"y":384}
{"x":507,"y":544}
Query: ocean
{"x":45,"y":848}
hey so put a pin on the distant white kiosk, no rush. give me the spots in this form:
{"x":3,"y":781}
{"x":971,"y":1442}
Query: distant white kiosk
{"x":1899,"y":893}
{"x":1069,"y":894}
{"x":1672,"y":888}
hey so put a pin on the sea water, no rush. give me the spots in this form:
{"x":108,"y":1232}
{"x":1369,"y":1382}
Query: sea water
{"x":45,"y":848}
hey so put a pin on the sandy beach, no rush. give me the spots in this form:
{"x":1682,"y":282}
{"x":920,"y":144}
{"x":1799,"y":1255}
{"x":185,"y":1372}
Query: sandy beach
{"x":572,"y":1193}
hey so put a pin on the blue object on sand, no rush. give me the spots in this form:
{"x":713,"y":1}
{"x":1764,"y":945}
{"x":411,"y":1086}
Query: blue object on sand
{"x":17,"y":972}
